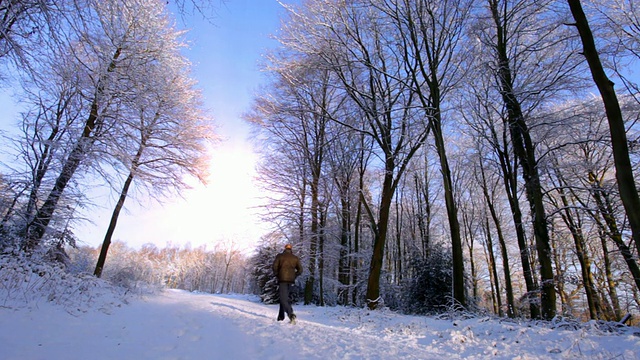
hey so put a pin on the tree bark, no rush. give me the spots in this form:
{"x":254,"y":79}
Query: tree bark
{"x":472,"y":263}
{"x":510,"y":183}
{"x":429,"y":54}
{"x":380,"y":237}
{"x":611,"y":283}
{"x":493,"y":270}
{"x":355,"y":261}
{"x":321,"y":243}
{"x":583,"y":256}
{"x":399,"y":255}
{"x":345,"y":240}
{"x":452,"y":214}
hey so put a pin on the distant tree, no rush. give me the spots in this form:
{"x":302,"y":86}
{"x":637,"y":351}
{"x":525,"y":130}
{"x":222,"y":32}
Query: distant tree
{"x":343,"y":164}
{"x":231,"y":254}
{"x":493,"y":147}
{"x":489,"y":191}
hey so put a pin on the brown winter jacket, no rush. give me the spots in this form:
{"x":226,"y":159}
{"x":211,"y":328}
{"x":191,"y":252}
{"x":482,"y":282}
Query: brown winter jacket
{"x":287,"y":267}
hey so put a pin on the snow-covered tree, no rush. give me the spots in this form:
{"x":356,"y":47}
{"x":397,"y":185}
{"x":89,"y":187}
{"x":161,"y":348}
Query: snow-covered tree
{"x":113,"y":96}
{"x":262,"y":271}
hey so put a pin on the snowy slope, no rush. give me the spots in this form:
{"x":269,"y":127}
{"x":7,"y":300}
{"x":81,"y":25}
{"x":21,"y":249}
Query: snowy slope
{"x":173,"y":324}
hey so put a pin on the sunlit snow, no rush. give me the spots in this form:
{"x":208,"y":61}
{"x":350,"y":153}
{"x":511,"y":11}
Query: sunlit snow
{"x":103,"y":323}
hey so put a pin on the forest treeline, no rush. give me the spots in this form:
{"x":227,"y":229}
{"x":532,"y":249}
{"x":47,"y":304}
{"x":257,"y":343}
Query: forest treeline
{"x":391,"y":130}
{"x":421,"y":155}
{"x":222,"y":269}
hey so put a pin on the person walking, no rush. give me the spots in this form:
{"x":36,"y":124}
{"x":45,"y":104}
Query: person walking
{"x":287,"y":268}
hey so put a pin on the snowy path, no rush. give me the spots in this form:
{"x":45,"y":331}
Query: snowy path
{"x":182,"y":325}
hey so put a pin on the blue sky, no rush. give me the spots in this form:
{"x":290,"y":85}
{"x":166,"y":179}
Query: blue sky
{"x":225,"y":56}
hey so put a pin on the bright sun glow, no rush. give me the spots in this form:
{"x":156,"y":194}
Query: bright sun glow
{"x":224,"y":209}
{"x":223,"y":212}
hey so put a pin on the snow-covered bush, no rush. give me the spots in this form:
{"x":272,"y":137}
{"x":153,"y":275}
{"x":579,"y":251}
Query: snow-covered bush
{"x":29,"y":281}
{"x":266,"y":282}
{"x":429,"y":290}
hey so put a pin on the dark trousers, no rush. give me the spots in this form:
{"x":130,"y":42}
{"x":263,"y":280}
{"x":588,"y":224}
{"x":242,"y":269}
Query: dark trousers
{"x":285,"y":305}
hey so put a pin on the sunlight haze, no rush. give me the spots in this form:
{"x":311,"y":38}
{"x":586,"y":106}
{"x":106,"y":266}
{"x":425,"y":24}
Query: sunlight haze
{"x":225,"y":54}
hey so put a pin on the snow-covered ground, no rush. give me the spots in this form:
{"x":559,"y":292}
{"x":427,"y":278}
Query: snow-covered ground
{"x":97,"y":323}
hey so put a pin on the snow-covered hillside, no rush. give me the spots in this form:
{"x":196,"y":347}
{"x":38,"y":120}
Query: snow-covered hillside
{"x":172,"y":324}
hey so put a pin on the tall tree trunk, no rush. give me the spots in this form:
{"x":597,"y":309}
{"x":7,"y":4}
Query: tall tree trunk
{"x":606,"y":211}
{"x":112,"y":226}
{"x":308,"y":289}
{"x":116,"y":211}
{"x":493,"y":269}
{"x":511,"y":310}
{"x":619,"y":143}
{"x":423,"y":213}
{"x":452,"y":213}
{"x":313,"y":246}
{"x":573,"y":224}
{"x":345,"y":241}
{"x":38,"y":226}
{"x":321,"y":243}
{"x":42,"y":164}
{"x":583,"y":258}
{"x":380,"y":235}
{"x":559,"y":259}
{"x":525,"y":151}
{"x":398,"y":260}
{"x":510,"y":182}
{"x":430,"y":54}
{"x":472,"y":264}
{"x":356,"y":260}
{"x":611,"y":283}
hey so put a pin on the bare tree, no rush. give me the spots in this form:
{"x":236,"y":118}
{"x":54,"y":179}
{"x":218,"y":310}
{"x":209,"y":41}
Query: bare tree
{"x":489,"y":188}
{"x":113,"y":46}
{"x":168,"y":137}
{"x":484,"y":120}
{"x":24,"y":24}
{"x":619,"y":141}
{"x":355,"y":41}
{"x":431,"y":34}
{"x":344,"y":156}
{"x":515,"y":54}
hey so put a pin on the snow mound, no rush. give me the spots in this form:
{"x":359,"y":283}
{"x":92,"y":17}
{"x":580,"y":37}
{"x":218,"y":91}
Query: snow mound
{"x":28,"y":283}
